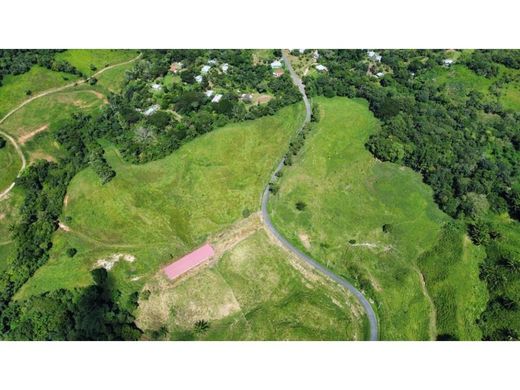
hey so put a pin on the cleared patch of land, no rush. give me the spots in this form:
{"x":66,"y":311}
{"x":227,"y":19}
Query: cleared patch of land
{"x":252,"y":293}
{"x":370,"y":222}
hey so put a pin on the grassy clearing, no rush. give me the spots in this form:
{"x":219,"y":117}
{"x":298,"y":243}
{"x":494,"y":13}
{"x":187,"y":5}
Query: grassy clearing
{"x":510,"y":98}
{"x":349,"y":197}
{"x":253,"y":293}
{"x":163,"y":209}
{"x":82,"y":59}
{"x":112,"y":79}
{"x":451,"y":272}
{"x":10,"y":164}
{"x":38,"y":79}
{"x":9,"y":208}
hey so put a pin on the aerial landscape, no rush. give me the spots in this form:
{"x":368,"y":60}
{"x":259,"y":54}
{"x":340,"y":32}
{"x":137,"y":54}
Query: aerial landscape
{"x":260,"y":194}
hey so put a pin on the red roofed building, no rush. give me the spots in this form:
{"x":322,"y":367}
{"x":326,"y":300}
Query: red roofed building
{"x":188,"y":262}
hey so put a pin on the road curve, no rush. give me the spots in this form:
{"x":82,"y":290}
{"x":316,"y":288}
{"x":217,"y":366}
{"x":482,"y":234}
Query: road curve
{"x":371,"y":315}
{"x":42,"y":94}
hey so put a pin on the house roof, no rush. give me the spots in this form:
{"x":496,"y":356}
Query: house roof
{"x":198,"y":78}
{"x":216,"y":98}
{"x":189,"y":261}
{"x":205,"y":69}
{"x":276,"y":64}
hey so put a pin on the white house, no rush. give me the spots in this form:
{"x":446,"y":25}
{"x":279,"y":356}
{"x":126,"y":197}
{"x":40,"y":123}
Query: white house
{"x":212,"y":62}
{"x":150,"y":110}
{"x":374,"y":56}
{"x":209,"y":93}
{"x":448,"y":62}
{"x":246,"y":97}
{"x":276,"y":64}
{"x":380,"y":74}
{"x":216,"y":98}
{"x":156,"y":87}
{"x":198,"y":79}
{"x":205,"y":69}
{"x":315,"y":54}
{"x":224,"y":67}
{"x":321,"y":68}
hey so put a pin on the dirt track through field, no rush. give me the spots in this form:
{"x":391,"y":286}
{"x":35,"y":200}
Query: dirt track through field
{"x":42,"y":94}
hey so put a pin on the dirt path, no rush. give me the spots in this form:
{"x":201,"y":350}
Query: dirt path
{"x":433,"y":311}
{"x":37,"y":96}
{"x":26,"y":137}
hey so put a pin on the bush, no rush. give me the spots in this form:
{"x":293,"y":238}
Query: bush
{"x":3,"y":142}
{"x":71,"y":252}
{"x":301,"y":205}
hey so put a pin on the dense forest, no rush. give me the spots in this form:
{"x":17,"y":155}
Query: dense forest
{"x":465,"y":145}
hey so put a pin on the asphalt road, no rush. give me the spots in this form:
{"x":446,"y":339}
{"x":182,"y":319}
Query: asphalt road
{"x":371,"y":315}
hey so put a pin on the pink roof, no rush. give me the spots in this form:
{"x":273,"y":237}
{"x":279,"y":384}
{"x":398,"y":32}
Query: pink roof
{"x":189,"y":261}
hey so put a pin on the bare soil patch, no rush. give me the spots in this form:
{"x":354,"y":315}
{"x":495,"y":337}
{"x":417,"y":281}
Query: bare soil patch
{"x":109,"y":262}
{"x":27,"y":136}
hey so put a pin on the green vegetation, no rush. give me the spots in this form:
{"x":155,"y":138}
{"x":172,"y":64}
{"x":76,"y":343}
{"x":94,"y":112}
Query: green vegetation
{"x":252,"y":293}
{"x":165,"y":208}
{"x":38,"y":79}
{"x":89,"y":61}
{"x":10,"y":164}
{"x":350,"y":196}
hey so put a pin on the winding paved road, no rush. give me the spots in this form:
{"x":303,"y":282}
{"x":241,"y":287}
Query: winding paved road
{"x":371,"y":315}
{"x":42,"y":94}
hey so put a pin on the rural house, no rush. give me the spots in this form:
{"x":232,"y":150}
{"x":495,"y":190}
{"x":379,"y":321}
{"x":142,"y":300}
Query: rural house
{"x":216,"y":98}
{"x":205,"y":69}
{"x":276,"y":64}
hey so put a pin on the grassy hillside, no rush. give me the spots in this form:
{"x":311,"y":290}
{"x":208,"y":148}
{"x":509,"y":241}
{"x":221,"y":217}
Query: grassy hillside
{"x":349,"y":197}
{"x":82,"y":59}
{"x":253,"y":293}
{"x":38,"y":79}
{"x":9,"y":207}
{"x":10,"y":164}
{"x":163,"y":209}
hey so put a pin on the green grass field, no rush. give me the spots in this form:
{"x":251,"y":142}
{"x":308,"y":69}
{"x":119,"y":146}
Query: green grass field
{"x":254,"y":293}
{"x":38,"y":79}
{"x":163,"y":209}
{"x":349,"y":197}
{"x":33,"y":123}
{"x":10,"y":164}
{"x":82,"y":59}
{"x":9,"y":208}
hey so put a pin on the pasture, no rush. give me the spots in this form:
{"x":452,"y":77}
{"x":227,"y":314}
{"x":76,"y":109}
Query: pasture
{"x":163,"y":209}
{"x":10,"y":164}
{"x":83,"y":59}
{"x":254,"y":292}
{"x":38,"y":79}
{"x":369,"y":221}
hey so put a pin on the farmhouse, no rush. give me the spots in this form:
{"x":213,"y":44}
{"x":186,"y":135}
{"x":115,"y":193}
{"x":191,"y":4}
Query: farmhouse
{"x":374,"y":56}
{"x":246,"y":97}
{"x":188,"y":262}
{"x":209,"y":93}
{"x":175,"y":67}
{"x":224,"y":67}
{"x":380,"y":74}
{"x":447,"y":62}
{"x":321,"y":68}
{"x":216,"y":98}
{"x":156,"y":87}
{"x":276,"y":64}
{"x":212,"y":62}
{"x":205,"y":69}
{"x":151,"y":110}
{"x":198,"y":79}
